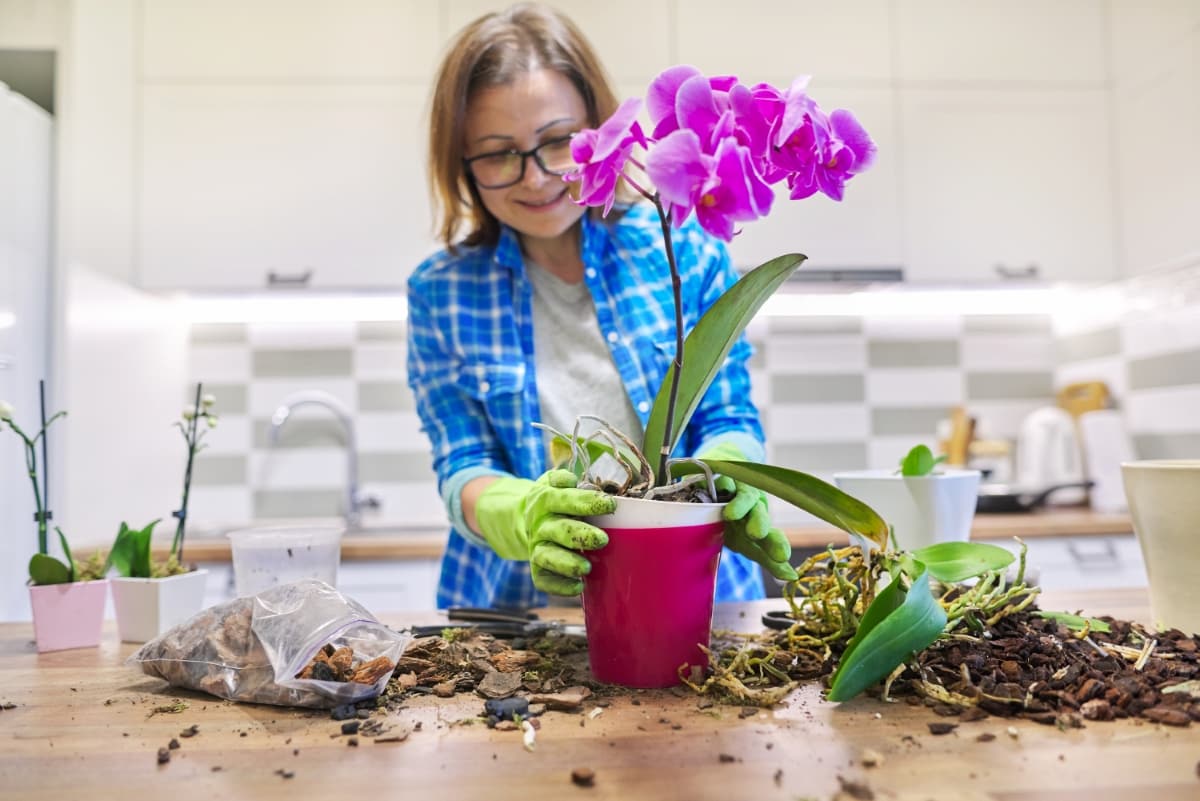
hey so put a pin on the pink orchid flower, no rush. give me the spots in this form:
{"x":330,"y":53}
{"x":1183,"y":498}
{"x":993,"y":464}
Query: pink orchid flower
{"x":602,"y":153}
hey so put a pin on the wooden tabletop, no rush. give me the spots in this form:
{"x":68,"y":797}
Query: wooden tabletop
{"x":428,"y":543}
{"x":82,"y":728}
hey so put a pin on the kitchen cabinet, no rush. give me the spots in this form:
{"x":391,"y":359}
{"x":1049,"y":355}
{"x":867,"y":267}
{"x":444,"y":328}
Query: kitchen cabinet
{"x":269,"y":40}
{"x":1006,"y":183}
{"x":379,"y":585}
{"x":1026,"y":42}
{"x":1075,"y":563}
{"x":246,"y":186}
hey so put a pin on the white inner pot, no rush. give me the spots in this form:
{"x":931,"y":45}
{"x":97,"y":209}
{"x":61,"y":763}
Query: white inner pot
{"x":923,"y":510}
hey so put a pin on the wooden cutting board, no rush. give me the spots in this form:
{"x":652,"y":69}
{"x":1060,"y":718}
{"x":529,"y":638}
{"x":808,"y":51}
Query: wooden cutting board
{"x":1083,"y":396}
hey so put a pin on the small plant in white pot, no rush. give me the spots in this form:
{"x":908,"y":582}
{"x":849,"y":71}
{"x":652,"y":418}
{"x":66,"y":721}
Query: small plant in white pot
{"x":924,"y":502}
{"x":67,"y":599}
{"x":151,"y":597}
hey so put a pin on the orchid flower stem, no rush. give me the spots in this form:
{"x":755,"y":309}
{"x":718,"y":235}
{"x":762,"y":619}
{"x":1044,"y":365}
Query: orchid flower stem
{"x":190,"y":436}
{"x":676,"y":289}
{"x":641,"y":190}
{"x":44,"y":509}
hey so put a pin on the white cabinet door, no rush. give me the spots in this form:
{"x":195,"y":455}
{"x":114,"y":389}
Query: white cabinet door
{"x":1025,"y":41}
{"x":1001,"y":181}
{"x":391,"y":586}
{"x":239,"y":183}
{"x":1071,"y":563}
{"x":284,"y":39}
{"x":861,"y":231}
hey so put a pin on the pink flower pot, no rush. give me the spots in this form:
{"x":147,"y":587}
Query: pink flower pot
{"x":648,"y":600}
{"x":68,"y":615}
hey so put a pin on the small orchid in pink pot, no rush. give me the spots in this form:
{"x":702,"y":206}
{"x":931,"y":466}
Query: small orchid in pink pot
{"x":719,"y":149}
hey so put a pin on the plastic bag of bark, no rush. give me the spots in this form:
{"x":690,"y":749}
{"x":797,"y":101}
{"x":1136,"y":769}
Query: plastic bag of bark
{"x":300,"y":644}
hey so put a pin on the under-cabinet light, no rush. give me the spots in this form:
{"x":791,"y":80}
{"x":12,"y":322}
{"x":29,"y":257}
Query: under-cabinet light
{"x":903,"y":302}
{"x":292,"y":309}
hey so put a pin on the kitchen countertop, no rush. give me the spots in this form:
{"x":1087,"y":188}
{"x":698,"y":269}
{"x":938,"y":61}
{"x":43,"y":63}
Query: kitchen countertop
{"x":427,"y":543}
{"x":82,"y":727}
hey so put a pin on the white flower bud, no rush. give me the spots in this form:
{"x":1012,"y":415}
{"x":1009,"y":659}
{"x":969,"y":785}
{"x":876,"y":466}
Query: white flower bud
{"x":212,"y":421}
{"x":6,"y":410}
{"x":189,"y":413}
{"x":208,"y":400}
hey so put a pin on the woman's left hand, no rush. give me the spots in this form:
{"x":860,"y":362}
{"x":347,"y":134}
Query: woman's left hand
{"x":748,"y":529}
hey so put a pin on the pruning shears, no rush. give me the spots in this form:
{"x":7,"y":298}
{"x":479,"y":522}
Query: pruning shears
{"x":502,"y":623}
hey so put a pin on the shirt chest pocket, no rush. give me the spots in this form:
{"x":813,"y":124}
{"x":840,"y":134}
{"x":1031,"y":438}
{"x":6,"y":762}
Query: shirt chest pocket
{"x":499,"y":388}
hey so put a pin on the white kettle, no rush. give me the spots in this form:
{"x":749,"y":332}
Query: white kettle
{"x":1048,"y":454}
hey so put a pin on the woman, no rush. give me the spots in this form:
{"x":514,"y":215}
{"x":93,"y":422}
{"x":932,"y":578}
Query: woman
{"x":543,"y":312}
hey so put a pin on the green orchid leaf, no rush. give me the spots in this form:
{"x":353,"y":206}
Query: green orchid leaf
{"x":889,"y":599}
{"x":919,"y":461}
{"x":130,"y":554}
{"x":1075,"y":622}
{"x":66,"y":549}
{"x":45,"y":569}
{"x":904,"y":630}
{"x":706,"y":347}
{"x":954,"y":561}
{"x":800,"y":489}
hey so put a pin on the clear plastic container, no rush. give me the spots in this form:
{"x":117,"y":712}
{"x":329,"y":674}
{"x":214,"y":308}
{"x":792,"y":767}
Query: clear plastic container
{"x":267,"y":556}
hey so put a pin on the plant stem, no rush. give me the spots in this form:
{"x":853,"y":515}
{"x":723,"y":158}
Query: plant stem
{"x":190,"y":437}
{"x":676,"y":288}
{"x":46,"y":513}
{"x":31,"y":466}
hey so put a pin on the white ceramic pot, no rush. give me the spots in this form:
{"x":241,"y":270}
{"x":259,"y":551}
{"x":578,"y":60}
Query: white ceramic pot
{"x":922,"y":510}
{"x":147,"y":607}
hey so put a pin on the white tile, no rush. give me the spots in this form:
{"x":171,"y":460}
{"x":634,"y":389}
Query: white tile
{"x":760,"y":389}
{"x":1109,"y":369}
{"x":298,"y":468}
{"x":380,"y":360}
{"x":232,"y":435}
{"x":818,"y":422}
{"x":390,"y":431}
{"x":1007,"y":352}
{"x":297,"y":336}
{"x":949,"y":326}
{"x":214,"y":506}
{"x":267,"y":393}
{"x":219,"y":364}
{"x":415,"y":503}
{"x":1165,"y":410}
{"x":1001,"y":419}
{"x":885,"y":453}
{"x":915,"y":387}
{"x":1164,"y":331}
{"x":816,"y":353}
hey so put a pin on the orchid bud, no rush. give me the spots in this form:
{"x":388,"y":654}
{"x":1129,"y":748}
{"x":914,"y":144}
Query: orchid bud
{"x":189,"y":413}
{"x":208,"y":400}
{"x":6,"y":410}
{"x":212,"y":421}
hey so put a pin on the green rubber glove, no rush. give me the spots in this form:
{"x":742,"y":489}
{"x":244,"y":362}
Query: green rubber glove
{"x":534,"y":521}
{"x":748,"y":528}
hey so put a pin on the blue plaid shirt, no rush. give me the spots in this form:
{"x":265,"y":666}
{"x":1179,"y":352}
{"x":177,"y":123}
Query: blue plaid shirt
{"x":471,"y":368}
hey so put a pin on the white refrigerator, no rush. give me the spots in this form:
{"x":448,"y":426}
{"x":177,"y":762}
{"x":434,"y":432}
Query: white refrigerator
{"x":26,"y":180}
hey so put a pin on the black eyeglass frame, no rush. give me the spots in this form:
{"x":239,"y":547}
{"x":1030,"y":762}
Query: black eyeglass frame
{"x":525,"y":156}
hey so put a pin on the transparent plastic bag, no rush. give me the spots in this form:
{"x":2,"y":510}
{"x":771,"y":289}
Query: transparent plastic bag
{"x":252,"y":649}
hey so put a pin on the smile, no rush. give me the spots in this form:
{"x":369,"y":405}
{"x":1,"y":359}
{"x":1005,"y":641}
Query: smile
{"x":538,"y":205}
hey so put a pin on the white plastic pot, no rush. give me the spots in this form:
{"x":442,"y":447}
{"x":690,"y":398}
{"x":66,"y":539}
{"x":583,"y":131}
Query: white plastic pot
{"x":147,"y":607}
{"x":922,"y":510}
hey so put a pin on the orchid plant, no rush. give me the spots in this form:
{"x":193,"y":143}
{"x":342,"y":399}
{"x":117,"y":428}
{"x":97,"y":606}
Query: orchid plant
{"x":716,"y":148}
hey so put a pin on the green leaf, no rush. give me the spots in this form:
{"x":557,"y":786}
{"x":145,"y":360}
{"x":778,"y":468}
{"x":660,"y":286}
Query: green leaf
{"x":66,"y":549}
{"x":954,"y":561}
{"x":45,"y":569}
{"x":919,"y":462}
{"x":1074,"y":622}
{"x":130,"y":554}
{"x":706,"y":347}
{"x":807,"y":492}
{"x":902,"y":631}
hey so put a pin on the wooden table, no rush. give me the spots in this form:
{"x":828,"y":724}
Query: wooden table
{"x":81,"y":729}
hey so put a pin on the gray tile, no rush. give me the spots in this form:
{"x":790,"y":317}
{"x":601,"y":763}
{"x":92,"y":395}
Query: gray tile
{"x":1168,"y":370}
{"x":758,"y":359}
{"x":1010,"y":386}
{"x":385,"y":396}
{"x":393,"y":468}
{"x":1007,"y":324}
{"x":912,"y":353}
{"x":230,"y":398}
{"x":302,"y":432}
{"x":917,"y":421}
{"x":303,"y":363}
{"x":818,"y":388}
{"x":382,"y":331}
{"x":1092,"y":345}
{"x":1167,"y":446}
{"x":297,"y":503}
{"x":212,"y":470}
{"x":820,"y":457}
{"x":218,"y":333}
{"x":832,"y":324}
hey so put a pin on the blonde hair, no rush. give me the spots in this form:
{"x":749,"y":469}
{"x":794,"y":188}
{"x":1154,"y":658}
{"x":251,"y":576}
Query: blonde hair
{"x":495,"y":50}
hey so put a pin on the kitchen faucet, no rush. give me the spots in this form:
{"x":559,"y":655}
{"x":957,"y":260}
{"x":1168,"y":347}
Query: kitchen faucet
{"x":354,"y":502}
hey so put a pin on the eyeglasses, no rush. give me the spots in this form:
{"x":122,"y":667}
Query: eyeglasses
{"x":507,"y":167}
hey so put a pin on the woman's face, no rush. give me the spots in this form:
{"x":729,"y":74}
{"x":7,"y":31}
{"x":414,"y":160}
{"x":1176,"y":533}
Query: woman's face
{"x":538,"y":107}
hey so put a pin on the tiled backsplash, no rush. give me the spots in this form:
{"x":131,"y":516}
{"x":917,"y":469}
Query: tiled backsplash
{"x":837,"y":392}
